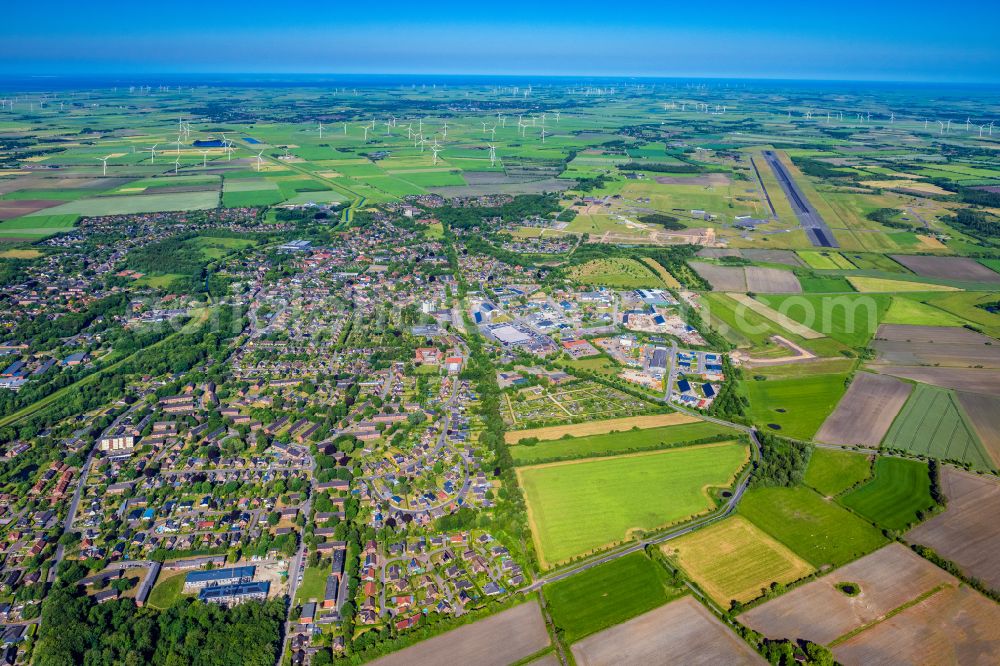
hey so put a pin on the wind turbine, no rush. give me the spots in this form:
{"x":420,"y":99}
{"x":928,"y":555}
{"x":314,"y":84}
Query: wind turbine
{"x":493,"y":154}
{"x":104,"y":160}
{"x":543,"y":135}
{"x":493,"y":133}
{"x":204,"y":158}
{"x":557,"y":116}
{"x":152,"y":153}
{"x":177,"y":164}
{"x":435,"y":151}
{"x":321,"y":129}
{"x":259,"y":160}
{"x":229,"y":152}
{"x":968,"y":121}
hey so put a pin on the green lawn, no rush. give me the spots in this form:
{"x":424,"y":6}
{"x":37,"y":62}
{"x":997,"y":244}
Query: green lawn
{"x":798,"y":406}
{"x":313,"y":585}
{"x":932,"y":423}
{"x":580,"y":506}
{"x":607,"y":595}
{"x":167,"y":591}
{"x":900,"y":489}
{"x":612,"y":443}
{"x":832,"y":472}
{"x":818,"y":530}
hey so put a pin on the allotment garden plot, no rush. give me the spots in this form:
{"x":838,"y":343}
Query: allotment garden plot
{"x":537,"y":406}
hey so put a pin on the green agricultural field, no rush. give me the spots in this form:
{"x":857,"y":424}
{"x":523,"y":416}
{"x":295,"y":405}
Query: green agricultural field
{"x":798,"y":406}
{"x":932,"y":423}
{"x":233,"y":185}
{"x":139,"y":203}
{"x":37,"y":225}
{"x":896,"y":496}
{"x":615,"y":272}
{"x":578,"y":507}
{"x":848,"y":318}
{"x":909,"y":310}
{"x":734,"y":560}
{"x":744,"y":326}
{"x":817,"y":530}
{"x":240,"y":199}
{"x":619,"y":442}
{"x":832,"y":472}
{"x":825,"y":260}
{"x":607,"y":595}
{"x":825,"y":285}
{"x":969,"y":306}
{"x":992,"y":264}
{"x":877,"y":262}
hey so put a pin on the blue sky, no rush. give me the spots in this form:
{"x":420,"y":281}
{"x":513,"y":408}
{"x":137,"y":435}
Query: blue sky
{"x":718,"y":38}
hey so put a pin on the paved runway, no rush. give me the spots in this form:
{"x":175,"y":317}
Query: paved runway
{"x":816,"y":229}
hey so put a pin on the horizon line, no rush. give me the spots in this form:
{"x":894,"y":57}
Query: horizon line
{"x":665,"y":77}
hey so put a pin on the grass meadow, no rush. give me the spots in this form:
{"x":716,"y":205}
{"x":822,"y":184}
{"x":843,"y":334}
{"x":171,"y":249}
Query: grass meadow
{"x":613,"y":443}
{"x":578,"y":507}
{"x":606,"y":595}
{"x":895,"y":496}
{"x":831,"y":472}
{"x":817,"y":530}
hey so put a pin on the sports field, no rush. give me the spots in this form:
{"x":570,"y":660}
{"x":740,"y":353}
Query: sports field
{"x":577,"y":507}
{"x":607,"y":595}
{"x":899,"y":490}
{"x":796,"y":406}
{"x":832,"y":472}
{"x":815,"y":529}
{"x":619,"y":442}
{"x":735,"y":561}
{"x":932,"y":423}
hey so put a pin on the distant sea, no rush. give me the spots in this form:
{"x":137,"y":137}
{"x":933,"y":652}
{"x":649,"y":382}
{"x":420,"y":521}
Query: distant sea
{"x":55,"y":83}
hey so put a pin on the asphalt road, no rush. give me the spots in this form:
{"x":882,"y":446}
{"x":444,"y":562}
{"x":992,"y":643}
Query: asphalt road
{"x":817,"y":231}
